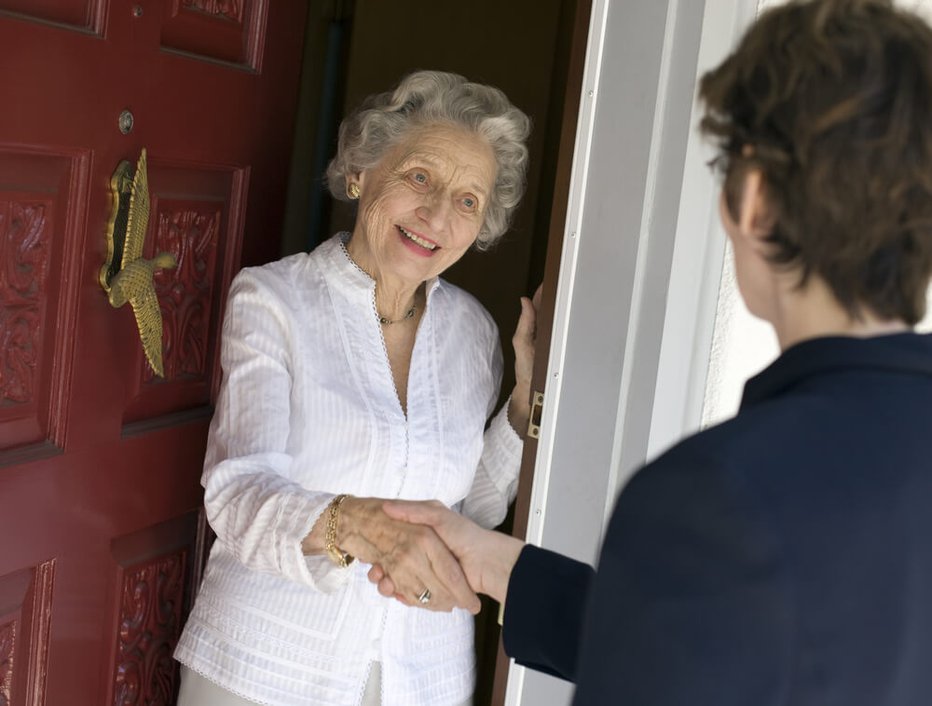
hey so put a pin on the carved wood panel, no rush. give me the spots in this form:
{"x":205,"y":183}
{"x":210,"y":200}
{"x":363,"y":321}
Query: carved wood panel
{"x":190,"y":231}
{"x":40,"y":206}
{"x":25,"y":245}
{"x":149,"y":627}
{"x":79,"y":14}
{"x":25,"y":621}
{"x":7,"y":642}
{"x":153,"y":580}
{"x":227,"y":9}
{"x":197,"y":216}
{"x":224,"y":30}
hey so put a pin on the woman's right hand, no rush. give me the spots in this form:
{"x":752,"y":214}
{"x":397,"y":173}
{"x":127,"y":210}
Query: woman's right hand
{"x":413,"y":554}
{"x":486,"y":556}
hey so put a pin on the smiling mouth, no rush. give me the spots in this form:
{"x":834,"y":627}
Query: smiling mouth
{"x":417,"y":240}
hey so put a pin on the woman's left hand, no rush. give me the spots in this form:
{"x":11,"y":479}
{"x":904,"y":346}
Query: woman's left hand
{"x":524,"y":342}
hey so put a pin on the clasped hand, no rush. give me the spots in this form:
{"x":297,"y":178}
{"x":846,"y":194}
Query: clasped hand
{"x":485,"y":558}
{"x":423,"y":569}
{"x":431,"y":554}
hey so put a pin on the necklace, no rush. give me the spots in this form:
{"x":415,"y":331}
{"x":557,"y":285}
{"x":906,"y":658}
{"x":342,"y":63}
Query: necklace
{"x":408,"y":314}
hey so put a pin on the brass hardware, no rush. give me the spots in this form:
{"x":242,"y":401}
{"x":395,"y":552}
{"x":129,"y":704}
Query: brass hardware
{"x":127,"y":276}
{"x":126,"y":122}
{"x":533,"y":421}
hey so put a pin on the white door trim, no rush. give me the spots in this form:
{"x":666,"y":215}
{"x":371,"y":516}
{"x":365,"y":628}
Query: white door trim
{"x":641,"y":260}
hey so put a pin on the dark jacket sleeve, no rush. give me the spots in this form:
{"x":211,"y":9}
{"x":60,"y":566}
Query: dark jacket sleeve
{"x":544,"y":611}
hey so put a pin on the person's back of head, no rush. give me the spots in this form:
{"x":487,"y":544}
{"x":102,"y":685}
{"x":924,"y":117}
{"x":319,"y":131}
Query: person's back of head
{"x":832,"y":101}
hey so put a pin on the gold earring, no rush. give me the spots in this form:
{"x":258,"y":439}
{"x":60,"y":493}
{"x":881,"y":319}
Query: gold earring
{"x":353,"y":191}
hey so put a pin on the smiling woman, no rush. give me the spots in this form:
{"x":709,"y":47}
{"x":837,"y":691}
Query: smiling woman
{"x":422,"y":207}
{"x":352,"y":374}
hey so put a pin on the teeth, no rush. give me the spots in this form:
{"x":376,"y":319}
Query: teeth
{"x":420,"y":241}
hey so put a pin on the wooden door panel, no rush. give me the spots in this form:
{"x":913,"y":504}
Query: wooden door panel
{"x":152,"y":574}
{"x":100,"y":461}
{"x":40,"y":204}
{"x":25,"y":616}
{"x":25,"y":254}
{"x":79,"y":14}
{"x":190,"y":218}
{"x":224,"y":30}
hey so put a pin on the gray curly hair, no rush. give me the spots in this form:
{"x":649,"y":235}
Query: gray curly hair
{"x":426,"y":97}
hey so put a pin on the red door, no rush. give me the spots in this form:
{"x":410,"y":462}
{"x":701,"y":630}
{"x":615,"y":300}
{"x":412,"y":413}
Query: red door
{"x":99,"y":459}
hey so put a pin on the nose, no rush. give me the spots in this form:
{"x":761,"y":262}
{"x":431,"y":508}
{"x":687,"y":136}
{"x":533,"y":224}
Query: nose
{"x":435,"y":212}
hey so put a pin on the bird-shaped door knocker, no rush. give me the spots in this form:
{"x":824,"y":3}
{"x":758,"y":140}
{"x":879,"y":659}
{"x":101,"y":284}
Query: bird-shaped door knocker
{"x":127,"y":276}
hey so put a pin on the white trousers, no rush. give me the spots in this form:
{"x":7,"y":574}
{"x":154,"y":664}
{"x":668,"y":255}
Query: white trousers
{"x":199,"y":691}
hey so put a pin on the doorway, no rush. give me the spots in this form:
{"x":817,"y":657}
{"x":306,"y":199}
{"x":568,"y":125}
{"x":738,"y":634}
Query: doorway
{"x":354,"y":49}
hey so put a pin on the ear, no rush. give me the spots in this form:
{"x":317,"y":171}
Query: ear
{"x":755,"y":220}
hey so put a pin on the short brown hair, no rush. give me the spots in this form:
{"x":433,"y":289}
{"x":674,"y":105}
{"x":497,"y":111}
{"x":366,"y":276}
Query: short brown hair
{"x":832,"y":101}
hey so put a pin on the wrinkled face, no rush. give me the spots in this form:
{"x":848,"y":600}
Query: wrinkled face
{"x":422,"y":206}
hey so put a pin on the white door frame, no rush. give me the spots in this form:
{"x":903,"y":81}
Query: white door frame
{"x":639,"y":274}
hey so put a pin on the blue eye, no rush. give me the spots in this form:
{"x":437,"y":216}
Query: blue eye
{"x":419,"y":177}
{"x":469,"y":202}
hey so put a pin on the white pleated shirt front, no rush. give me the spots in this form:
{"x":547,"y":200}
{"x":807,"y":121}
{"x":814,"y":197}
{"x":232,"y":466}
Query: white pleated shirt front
{"x":308,"y":409}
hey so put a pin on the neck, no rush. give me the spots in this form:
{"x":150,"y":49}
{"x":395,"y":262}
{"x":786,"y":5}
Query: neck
{"x":409,"y":313}
{"x":814,"y":312}
{"x":394,"y":308}
{"x":394,"y":296}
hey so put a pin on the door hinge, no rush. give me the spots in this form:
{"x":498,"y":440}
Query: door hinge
{"x":533,"y":422}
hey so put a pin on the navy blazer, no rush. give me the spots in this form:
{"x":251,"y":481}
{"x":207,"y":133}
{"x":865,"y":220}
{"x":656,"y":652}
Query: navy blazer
{"x":781,"y":558}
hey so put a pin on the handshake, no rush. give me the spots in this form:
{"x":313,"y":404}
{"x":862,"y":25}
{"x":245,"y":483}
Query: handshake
{"x":426,"y":555}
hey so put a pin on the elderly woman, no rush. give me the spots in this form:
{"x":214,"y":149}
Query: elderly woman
{"x":353,"y":374}
{"x":781,"y":558}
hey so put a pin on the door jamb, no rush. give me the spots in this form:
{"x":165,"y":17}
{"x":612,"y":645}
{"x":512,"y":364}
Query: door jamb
{"x":628,"y":274}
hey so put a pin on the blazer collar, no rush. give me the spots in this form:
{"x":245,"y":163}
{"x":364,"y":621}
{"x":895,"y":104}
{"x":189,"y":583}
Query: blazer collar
{"x":909,"y":353}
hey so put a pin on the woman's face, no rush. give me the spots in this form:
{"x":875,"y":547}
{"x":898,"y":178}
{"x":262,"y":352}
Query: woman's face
{"x":422,"y":206}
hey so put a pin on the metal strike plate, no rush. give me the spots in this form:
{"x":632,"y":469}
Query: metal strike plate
{"x":533,"y":422}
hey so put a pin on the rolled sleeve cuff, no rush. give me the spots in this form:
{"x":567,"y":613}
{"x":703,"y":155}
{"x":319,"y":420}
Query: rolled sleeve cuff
{"x":544,"y":610}
{"x":502,"y":453}
{"x":318,"y":570}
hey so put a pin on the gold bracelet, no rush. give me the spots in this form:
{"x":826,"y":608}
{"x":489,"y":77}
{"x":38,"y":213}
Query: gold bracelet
{"x":340,"y":558}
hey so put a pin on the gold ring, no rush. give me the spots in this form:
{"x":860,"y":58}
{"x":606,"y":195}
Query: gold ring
{"x":424,"y":598}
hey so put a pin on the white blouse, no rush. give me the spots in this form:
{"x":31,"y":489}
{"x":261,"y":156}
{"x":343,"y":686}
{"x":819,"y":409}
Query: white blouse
{"x":307,"y":410}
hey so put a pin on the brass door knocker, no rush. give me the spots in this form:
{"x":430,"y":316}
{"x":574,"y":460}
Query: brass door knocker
{"x":127,"y":276}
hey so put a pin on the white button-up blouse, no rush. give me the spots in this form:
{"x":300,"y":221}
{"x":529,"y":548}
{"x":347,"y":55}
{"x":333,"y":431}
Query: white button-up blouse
{"x":308,"y":409}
